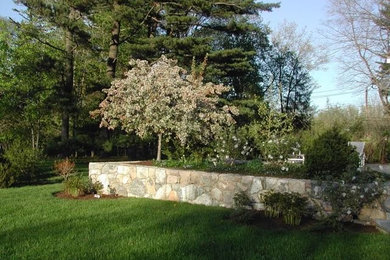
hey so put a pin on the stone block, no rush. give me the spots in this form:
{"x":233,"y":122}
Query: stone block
{"x":123,"y":169}
{"x":163,"y":192}
{"x":94,"y":171}
{"x":185,"y":178}
{"x":188,"y":193}
{"x":173,"y":196}
{"x":161,"y":176}
{"x":296,"y":186}
{"x":216,"y":194}
{"x":172,"y":179}
{"x":203,"y":199}
{"x":150,"y":188}
{"x":152,"y":172}
{"x":142,"y":172}
{"x":195,"y":177}
{"x":125,"y":179}
{"x":95,"y":166}
{"x":137,"y":188}
{"x":121,"y":191}
{"x":133,"y":172}
{"x":247,"y":180}
{"x":257,"y":186}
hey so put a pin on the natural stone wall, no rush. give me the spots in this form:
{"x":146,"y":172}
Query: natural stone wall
{"x":197,"y":187}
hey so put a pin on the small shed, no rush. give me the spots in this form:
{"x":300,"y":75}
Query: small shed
{"x":359,"y":147}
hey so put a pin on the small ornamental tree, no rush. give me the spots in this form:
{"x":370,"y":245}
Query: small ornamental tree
{"x":162,"y":99}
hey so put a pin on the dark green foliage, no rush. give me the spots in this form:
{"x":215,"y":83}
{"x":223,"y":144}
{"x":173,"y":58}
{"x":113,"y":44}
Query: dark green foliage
{"x":242,"y":201}
{"x":20,"y":165}
{"x":291,"y":206}
{"x":329,"y":155}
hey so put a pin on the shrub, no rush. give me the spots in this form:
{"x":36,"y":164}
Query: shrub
{"x":64,"y":168}
{"x":330,"y":155}
{"x":242,"y":201}
{"x":76,"y":186}
{"x":20,"y":166}
{"x":6,"y":178}
{"x":291,"y":206}
{"x":353,"y":190}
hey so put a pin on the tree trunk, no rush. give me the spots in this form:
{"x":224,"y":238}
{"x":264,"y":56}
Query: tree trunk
{"x":114,"y":46}
{"x":159,"y":147}
{"x":68,"y":75}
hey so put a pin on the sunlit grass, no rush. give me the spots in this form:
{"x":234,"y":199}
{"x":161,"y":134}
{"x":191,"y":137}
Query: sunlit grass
{"x":36,"y":225}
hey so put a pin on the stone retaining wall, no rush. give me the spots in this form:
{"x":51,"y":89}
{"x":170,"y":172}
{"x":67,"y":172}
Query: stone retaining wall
{"x":197,"y":187}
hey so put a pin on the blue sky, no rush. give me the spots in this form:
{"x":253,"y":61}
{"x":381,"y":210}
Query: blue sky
{"x":306,"y":13}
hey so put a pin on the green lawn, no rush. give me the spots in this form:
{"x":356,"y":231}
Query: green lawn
{"x":36,"y":225}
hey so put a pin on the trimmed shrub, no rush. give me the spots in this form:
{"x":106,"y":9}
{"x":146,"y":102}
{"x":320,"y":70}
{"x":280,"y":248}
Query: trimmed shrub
{"x":330,"y":155}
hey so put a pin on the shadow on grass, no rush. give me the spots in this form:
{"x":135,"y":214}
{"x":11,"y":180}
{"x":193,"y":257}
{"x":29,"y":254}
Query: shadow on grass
{"x":127,"y":229}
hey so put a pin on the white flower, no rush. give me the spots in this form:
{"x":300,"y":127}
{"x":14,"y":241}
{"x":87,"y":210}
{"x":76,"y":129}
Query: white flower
{"x":343,"y":194}
{"x":286,"y":169}
{"x":353,"y":178}
{"x":236,"y":146}
{"x":349,"y":212}
{"x":353,"y":191}
{"x":384,"y":191}
{"x":362,"y":196}
{"x":376,"y":183}
{"x":283,"y":168}
{"x":353,"y":187}
{"x":270,"y":156}
{"x":281,"y":156}
{"x":227,"y":157}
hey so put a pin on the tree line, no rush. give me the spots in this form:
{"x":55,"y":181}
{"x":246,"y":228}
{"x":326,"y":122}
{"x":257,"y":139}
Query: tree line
{"x":57,"y":60}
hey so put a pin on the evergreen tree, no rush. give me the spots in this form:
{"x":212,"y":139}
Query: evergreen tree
{"x":69,"y":19}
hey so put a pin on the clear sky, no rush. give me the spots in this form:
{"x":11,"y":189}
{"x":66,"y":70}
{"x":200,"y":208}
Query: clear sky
{"x":306,"y":13}
{"x":312,"y":14}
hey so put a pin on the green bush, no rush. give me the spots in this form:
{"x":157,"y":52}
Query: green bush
{"x":330,"y":155}
{"x":20,"y":166}
{"x":291,"y":206}
{"x":348,"y":195}
{"x":77,"y":185}
{"x":6,"y":178}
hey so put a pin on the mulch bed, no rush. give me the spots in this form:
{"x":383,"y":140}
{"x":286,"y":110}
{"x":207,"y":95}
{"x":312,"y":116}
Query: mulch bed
{"x":64,"y":195}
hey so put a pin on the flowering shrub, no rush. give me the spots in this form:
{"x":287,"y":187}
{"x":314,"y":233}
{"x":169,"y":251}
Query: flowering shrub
{"x":353,"y":190}
{"x":162,"y":99}
{"x":230,"y":147}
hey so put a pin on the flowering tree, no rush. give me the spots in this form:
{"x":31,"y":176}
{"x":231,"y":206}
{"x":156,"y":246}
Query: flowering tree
{"x":162,"y":99}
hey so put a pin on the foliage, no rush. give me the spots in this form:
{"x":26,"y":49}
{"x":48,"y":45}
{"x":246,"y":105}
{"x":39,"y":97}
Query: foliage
{"x":291,"y":206}
{"x":242,"y":201}
{"x":329,"y":155}
{"x":271,"y":133}
{"x":161,"y":99}
{"x":351,"y":191}
{"x":230,"y":146}
{"x":20,"y":166}
{"x":281,"y":169}
{"x":77,"y":185}
{"x":64,"y":168}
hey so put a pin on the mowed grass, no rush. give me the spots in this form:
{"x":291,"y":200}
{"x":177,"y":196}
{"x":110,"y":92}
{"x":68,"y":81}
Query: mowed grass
{"x":34,"y":224}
